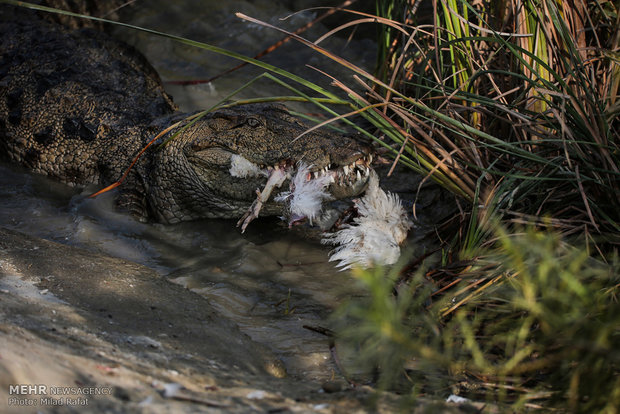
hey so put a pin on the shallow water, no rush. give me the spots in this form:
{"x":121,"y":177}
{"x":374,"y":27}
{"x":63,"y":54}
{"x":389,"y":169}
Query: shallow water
{"x":270,"y":281}
{"x":215,"y":23}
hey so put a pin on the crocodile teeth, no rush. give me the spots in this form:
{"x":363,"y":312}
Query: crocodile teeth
{"x":347,"y":175}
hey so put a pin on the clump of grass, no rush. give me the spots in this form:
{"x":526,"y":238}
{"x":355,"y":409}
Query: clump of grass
{"x":547,"y":334}
{"x":515,"y":101}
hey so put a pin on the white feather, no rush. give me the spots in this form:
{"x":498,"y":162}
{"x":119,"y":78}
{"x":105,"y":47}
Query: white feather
{"x":242,"y":168}
{"x":306,"y":197}
{"x":376,"y":234}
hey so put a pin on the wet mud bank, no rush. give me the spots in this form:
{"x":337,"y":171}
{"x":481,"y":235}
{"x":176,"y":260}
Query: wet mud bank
{"x":73,"y":318}
{"x":81,"y":330}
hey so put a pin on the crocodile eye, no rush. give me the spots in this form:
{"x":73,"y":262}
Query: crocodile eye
{"x":253,"y":122}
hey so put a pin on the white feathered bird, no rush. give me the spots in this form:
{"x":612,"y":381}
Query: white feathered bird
{"x":375,"y":236}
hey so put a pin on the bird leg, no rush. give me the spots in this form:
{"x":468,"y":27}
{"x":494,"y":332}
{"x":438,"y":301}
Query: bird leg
{"x":276,"y":178}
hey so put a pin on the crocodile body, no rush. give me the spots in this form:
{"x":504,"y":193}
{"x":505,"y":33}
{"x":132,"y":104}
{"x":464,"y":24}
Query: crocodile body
{"x":79,"y":106}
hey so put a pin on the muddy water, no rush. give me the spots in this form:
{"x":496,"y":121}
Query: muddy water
{"x":271,"y":281}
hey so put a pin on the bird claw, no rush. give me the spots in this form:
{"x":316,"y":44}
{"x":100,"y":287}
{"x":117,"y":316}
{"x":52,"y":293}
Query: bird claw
{"x":252,"y":212}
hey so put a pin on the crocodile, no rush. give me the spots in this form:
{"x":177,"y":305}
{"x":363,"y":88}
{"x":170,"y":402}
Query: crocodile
{"x":79,"y":106}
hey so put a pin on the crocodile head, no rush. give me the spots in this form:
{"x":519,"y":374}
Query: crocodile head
{"x":216,"y":166}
